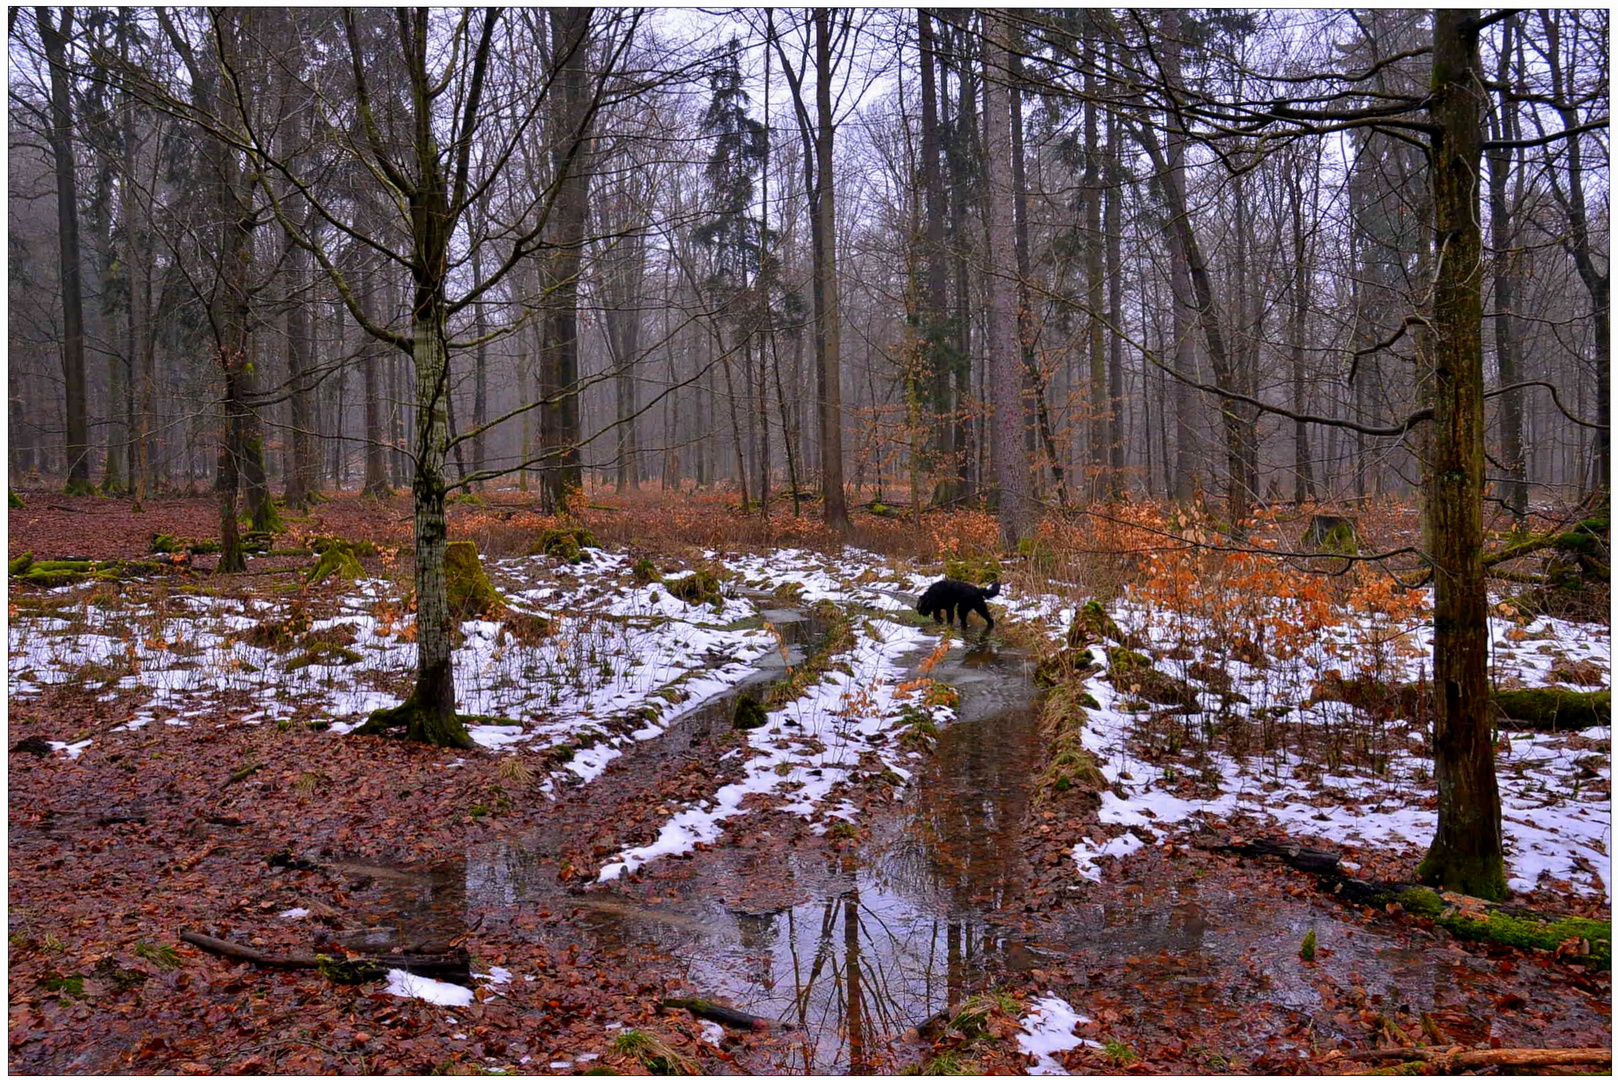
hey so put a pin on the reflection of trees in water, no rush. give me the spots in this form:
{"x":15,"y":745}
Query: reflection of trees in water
{"x":969,"y":807}
{"x":869,"y":970}
{"x":500,"y":875}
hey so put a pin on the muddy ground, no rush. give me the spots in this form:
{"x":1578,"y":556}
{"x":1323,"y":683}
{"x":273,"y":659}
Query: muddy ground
{"x":1183,"y":960}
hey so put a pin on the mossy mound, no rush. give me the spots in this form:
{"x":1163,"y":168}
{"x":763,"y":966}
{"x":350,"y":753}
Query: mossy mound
{"x":644,"y":572}
{"x":163,"y":543}
{"x":471,"y":595}
{"x":1063,"y":665}
{"x":363,"y":549}
{"x":54,"y":573}
{"x":1091,"y":624}
{"x":749,"y":715}
{"x":567,"y":543}
{"x":13,"y":500}
{"x":1333,"y":535}
{"x":979,"y":570}
{"x":19,"y":566}
{"x":337,"y":559}
{"x":1550,"y":709}
{"x":698,"y":587}
{"x":1133,"y":672}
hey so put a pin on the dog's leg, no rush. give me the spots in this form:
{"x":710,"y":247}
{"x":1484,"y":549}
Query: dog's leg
{"x":983,"y":609}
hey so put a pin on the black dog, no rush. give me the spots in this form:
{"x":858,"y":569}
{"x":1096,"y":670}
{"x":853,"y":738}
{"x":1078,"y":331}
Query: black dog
{"x":946,"y":599}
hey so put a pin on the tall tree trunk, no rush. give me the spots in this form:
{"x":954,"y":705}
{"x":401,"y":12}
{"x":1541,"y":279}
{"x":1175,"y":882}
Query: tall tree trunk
{"x":480,"y":373}
{"x":559,"y":369}
{"x":77,"y":448}
{"x":374,"y":352}
{"x":302,"y":475}
{"x":1112,"y":225}
{"x":828,"y":311}
{"x":1033,"y":376}
{"x":1466,"y":853}
{"x":1186,"y":450}
{"x":1578,"y":245}
{"x":1303,"y":475}
{"x":1503,"y":241}
{"x":1095,"y":297}
{"x":1016,"y":508}
{"x":113,"y":292}
{"x":935,"y":311}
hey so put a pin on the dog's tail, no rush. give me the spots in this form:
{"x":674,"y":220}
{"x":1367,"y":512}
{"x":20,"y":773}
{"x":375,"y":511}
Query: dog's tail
{"x":992,"y":591}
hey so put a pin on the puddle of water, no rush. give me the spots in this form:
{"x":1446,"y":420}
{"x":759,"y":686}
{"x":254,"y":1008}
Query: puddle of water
{"x":853,"y":951}
{"x":893,"y":935}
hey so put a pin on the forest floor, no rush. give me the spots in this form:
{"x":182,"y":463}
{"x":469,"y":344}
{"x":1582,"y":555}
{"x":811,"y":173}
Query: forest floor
{"x":885,"y":846}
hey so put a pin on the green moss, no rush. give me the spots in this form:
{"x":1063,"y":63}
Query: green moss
{"x":1527,"y":932}
{"x":1306,"y":952}
{"x":749,"y":714}
{"x":1091,"y":623}
{"x":1550,"y":709}
{"x":980,"y":570}
{"x":1422,"y":901}
{"x":566,"y":543}
{"x":645,"y":571}
{"x":421,"y":725}
{"x":19,"y":566}
{"x":348,"y":972}
{"x":470,"y":593}
{"x":13,"y":500}
{"x":698,"y":587}
{"x":336,"y":560}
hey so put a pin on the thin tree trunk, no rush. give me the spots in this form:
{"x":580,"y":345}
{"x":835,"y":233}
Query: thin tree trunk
{"x":1112,"y":223}
{"x":1016,"y":509}
{"x":828,"y":311}
{"x":1502,"y":240}
{"x":1100,"y":429}
{"x":1303,"y":478}
{"x":77,"y":449}
{"x":1186,"y":450}
{"x":935,"y":312}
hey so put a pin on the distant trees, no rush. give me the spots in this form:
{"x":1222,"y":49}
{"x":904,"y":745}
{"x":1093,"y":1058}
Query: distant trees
{"x":1177,"y":274}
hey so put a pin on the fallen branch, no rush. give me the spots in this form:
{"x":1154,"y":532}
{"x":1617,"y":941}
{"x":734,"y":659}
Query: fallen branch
{"x":454,"y":966}
{"x":723,"y":1014}
{"x":1455,"y":1057}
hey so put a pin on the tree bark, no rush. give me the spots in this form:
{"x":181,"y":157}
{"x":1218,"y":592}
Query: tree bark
{"x":1502,"y":239}
{"x":935,"y":312}
{"x":568,"y":132}
{"x":828,"y":311}
{"x":1010,"y":463}
{"x":1186,"y":451}
{"x":1466,"y":853}
{"x":77,"y":449}
{"x":1303,"y":472}
{"x":1095,"y":280}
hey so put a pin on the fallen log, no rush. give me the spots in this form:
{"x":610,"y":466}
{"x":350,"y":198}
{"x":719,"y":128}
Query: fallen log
{"x":1456,"y":1057}
{"x":453,"y":966}
{"x":723,"y":1014}
{"x":1551,"y":709}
